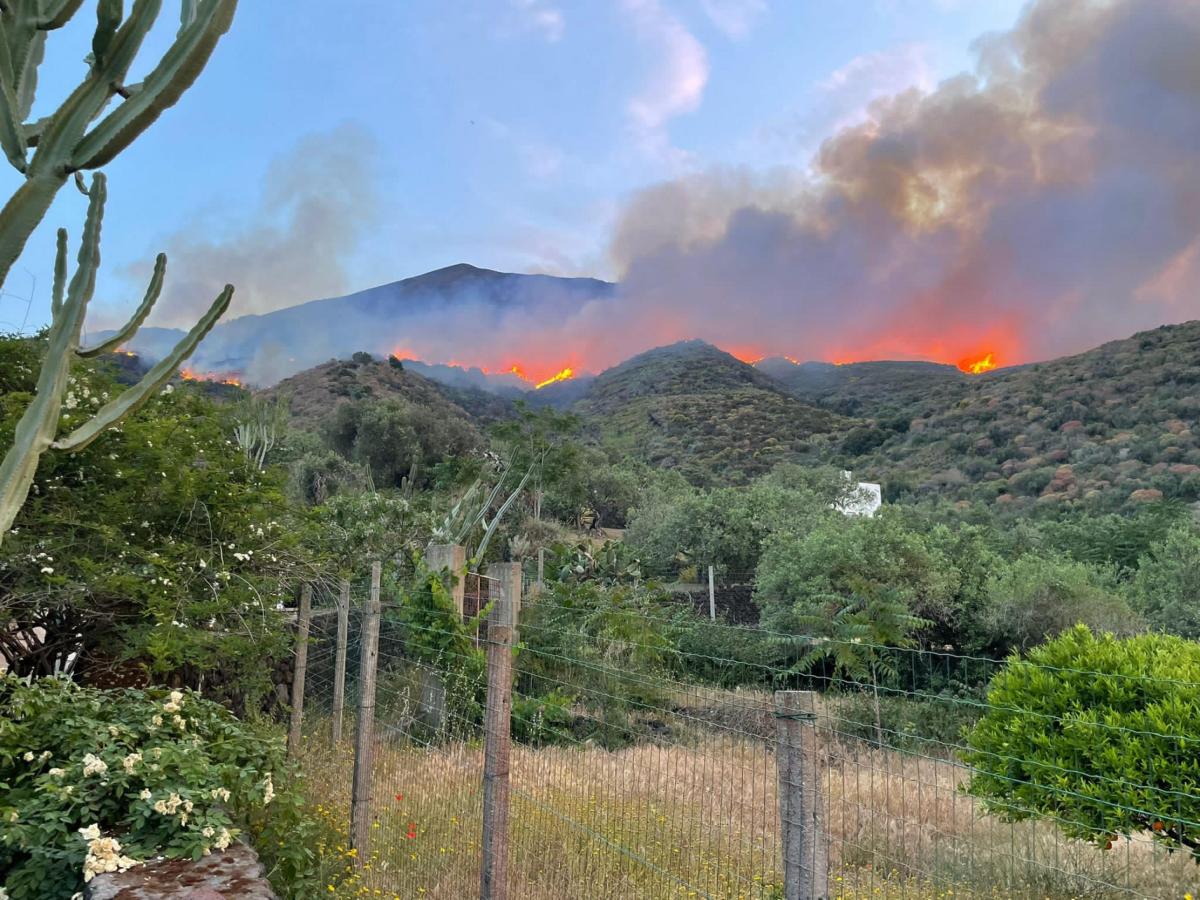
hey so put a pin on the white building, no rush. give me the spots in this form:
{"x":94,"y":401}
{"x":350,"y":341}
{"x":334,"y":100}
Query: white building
{"x":864,"y":500}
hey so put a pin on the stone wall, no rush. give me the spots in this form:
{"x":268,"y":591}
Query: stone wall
{"x":233,"y":874}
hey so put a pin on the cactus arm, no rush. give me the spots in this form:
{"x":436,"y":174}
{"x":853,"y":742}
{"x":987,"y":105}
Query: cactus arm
{"x":131,"y":327}
{"x":134,"y":398}
{"x":487,"y":536}
{"x":12,"y":136}
{"x":27,"y":76}
{"x":108,"y":19}
{"x":175,"y":73}
{"x":58,"y":13}
{"x":60,"y":274}
{"x":36,"y":429}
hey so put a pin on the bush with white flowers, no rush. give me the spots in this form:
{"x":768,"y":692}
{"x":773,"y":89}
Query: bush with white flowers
{"x":95,"y":781}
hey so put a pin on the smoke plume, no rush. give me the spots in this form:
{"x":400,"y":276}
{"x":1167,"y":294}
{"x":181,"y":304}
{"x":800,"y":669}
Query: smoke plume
{"x":316,"y":201}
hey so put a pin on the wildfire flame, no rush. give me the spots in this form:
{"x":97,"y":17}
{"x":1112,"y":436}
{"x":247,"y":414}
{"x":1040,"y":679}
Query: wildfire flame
{"x":230,"y":378}
{"x":977,"y":365}
{"x":564,"y":375}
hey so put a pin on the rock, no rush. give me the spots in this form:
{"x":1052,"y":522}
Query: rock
{"x":233,"y":874}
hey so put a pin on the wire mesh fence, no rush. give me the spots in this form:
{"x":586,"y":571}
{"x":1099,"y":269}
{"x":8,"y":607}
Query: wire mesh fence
{"x":658,"y":753}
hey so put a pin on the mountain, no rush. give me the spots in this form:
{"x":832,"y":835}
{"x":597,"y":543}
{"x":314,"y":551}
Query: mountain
{"x":266,"y":348}
{"x":695,"y":408}
{"x":1111,"y":428}
{"x":875,"y":389}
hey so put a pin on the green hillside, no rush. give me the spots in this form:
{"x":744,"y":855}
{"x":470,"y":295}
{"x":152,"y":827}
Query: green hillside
{"x":697,"y":409}
{"x":1113,"y":428}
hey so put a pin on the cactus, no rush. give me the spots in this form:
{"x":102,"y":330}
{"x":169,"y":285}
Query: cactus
{"x":36,"y":431}
{"x":66,"y":141}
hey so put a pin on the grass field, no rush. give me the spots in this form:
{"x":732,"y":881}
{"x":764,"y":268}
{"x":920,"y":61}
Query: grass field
{"x":698,"y":818}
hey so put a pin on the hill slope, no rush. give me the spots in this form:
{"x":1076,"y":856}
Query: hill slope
{"x":1113,"y":427}
{"x":876,"y":389}
{"x":695,"y":408}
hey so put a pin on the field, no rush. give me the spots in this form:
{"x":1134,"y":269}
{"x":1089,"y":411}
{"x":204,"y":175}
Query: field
{"x":698,"y":818}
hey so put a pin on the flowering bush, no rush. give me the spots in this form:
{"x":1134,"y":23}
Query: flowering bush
{"x":98,"y":781}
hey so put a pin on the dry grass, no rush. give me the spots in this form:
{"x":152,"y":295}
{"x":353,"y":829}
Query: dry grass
{"x":698,"y":817}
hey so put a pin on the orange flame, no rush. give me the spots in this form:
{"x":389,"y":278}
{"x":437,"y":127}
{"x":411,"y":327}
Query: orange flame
{"x":230,"y":378}
{"x":564,"y":375}
{"x":977,"y":365}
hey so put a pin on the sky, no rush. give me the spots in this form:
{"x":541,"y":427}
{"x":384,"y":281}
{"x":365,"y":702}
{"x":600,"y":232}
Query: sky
{"x":323,"y":152}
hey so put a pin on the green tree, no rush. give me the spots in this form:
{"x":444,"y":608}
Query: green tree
{"x":1097,"y":734}
{"x":1166,"y":587}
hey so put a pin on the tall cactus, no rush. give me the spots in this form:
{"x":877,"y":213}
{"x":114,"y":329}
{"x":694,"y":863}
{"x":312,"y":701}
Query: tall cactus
{"x":36,"y":431}
{"x":64,"y":143}
{"x":67,"y":141}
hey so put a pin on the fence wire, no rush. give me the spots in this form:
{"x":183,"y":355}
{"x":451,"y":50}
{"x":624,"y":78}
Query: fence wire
{"x":640,"y":769}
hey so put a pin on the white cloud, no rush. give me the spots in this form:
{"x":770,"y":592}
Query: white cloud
{"x":541,"y":16}
{"x":734,"y":17}
{"x":678,"y":82}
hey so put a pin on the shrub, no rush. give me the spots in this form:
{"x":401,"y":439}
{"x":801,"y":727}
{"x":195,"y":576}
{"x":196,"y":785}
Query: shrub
{"x":97,"y":780}
{"x":1097,"y":733}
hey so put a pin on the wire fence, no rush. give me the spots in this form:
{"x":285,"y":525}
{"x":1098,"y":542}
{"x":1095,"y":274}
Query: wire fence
{"x":710,"y":765}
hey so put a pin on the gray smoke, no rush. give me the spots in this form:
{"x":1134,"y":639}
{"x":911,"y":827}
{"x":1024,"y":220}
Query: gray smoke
{"x":316,"y":202}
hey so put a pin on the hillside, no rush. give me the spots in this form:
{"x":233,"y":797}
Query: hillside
{"x":697,"y":409}
{"x":316,"y":393}
{"x":1113,"y":427}
{"x":876,"y":389}
{"x":266,"y":348}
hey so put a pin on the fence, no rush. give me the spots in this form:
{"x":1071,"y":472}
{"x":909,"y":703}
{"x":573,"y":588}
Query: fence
{"x":706,"y":765}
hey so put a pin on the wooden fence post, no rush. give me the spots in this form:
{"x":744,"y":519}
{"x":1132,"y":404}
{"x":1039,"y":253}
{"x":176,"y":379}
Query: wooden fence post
{"x":303,"y":621}
{"x":339,"y":663}
{"x":364,"y":737}
{"x":505,"y":594}
{"x":541,"y":579}
{"x":801,"y":815}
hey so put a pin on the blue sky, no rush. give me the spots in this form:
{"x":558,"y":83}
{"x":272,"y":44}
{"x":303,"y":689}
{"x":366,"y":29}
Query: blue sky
{"x":506,"y":133}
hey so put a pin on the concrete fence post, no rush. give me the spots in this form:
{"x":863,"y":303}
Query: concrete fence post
{"x":364,"y":738}
{"x":505,"y":594}
{"x":801,"y":804}
{"x":303,"y":622}
{"x":454,"y":558}
{"x":339,"y":662}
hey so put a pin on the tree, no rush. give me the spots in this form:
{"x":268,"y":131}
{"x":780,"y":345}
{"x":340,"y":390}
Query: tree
{"x":841,"y":559}
{"x":1039,"y":595}
{"x":154,"y":547}
{"x":1097,"y":734}
{"x":1166,"y":587}
{"x":858,"y":641}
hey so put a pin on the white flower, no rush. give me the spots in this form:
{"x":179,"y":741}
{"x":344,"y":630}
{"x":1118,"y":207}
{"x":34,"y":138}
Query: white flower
{"x":130,"y":761}
{"x":223,"y":839}
{"x":57,"y":773}
{"x":221,"y":794}
{"x":208,"y":831}
{"x":145,"y":794}
{"x":91,"y":833}
{"x":28,"y":756}
{"x":93,"y":765}
{"x":104,"y":854}
{"x":47,"y":570}
{"x":268,"y":790}
{"x":180,"y":723}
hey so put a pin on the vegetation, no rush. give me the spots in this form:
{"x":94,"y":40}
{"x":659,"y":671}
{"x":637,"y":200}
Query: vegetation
{"x":1096,"y":733}
{"x":97,"y":781}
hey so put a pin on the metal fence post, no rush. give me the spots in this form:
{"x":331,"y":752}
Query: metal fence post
{"x":364,"y":738}
{"x":339,"y":663}
{"x":712,"y":595}
{"x":506,"y":601}
{"x":801,"y":805}
{"x":303,"y":621}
